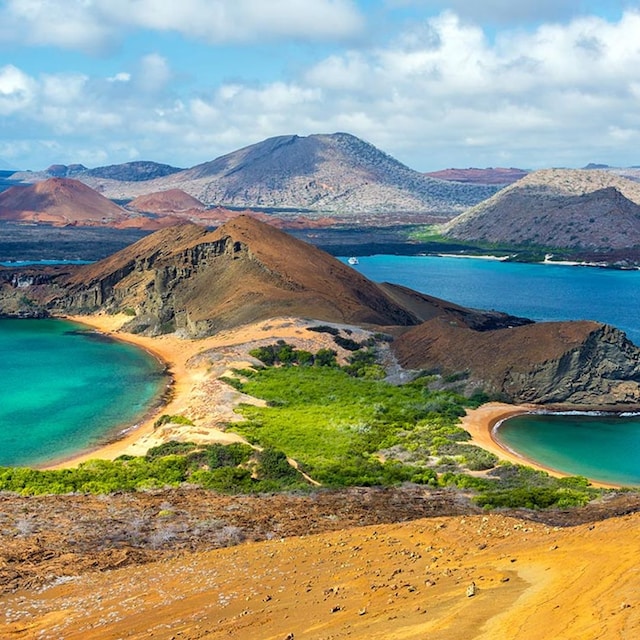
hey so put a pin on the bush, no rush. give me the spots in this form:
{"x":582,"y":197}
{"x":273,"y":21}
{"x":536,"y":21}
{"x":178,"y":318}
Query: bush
{"x":346,"y":343}
{"x":273,"y":465}
{"x":167,"y":419}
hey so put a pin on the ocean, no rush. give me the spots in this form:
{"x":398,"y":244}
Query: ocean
{"x":604,"y":448}
{"x":66,"y":389}
{"x":536,"y":291}
{"x":85,"y":388}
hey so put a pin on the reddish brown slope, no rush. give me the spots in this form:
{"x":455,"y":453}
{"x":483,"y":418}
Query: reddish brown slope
{"x":185,"y":277}
{"x":581,"y":363}
{"x":170,"y":201}
{"x":59,"y":201}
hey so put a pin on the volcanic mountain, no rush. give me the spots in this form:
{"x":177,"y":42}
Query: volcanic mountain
{"x":557,"y":208}
{"x":171,"y":201}
{"x":197,"y":281}
{"x":338,"y":173}
{"x":59,"y":201}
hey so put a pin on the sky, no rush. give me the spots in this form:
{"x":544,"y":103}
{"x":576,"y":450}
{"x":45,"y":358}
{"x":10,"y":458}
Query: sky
{"x":436,"y":84}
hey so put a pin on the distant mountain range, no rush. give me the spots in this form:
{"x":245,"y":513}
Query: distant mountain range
{"x":564,"y":208}
{"x":336,"y":173}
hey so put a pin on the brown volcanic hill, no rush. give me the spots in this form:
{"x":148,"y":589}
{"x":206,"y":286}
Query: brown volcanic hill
{"x":557,"y":208}
{"x":170,"y":201}
{"x":197,"y":281}
{"x":59,"y":201}
{"x":578,"y":363}
{"x":498,"y":175}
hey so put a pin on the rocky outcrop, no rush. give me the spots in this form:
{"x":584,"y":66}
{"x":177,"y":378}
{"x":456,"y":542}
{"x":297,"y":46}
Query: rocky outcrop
{"x":569,"y":363}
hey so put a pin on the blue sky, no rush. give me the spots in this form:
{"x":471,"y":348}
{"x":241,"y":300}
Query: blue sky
{"x":534,"y":83}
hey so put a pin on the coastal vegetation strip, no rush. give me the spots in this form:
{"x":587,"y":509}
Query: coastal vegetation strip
{"x":342,"y":426}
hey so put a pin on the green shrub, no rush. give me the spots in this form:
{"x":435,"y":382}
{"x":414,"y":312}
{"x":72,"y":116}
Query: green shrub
{"x":167,"y":419}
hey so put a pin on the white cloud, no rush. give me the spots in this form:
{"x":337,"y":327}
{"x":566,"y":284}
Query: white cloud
{"x":17,"y":90}
{"x":442,"y":93}
{"x":94,"y":25}
{"x":120,"y":77}
{"x":69,"y":24}
{"x":153,"y":74}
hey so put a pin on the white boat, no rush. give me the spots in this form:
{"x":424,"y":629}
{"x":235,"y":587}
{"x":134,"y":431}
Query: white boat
{"x":353,"y":260}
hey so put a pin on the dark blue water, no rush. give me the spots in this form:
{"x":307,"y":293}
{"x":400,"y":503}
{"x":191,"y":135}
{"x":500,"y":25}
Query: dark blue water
{"x":536,"y":291}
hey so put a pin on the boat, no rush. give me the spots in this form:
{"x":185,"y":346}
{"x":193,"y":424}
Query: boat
{"x":353,"y":260}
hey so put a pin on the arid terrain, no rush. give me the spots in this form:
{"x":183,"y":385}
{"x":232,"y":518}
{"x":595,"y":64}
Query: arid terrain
{"x":366,"y":563}
{"x":358,"y":563}
{"x":589,"y":210}
{"x":401,"y":563}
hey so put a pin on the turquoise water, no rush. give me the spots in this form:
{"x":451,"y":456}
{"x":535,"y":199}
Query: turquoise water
{"x":65,"y":389}
{"x":536,"y":291}
{"x":601,"y":448}
{"x":604,"y":448}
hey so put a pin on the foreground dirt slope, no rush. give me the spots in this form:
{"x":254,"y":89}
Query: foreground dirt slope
{"x":479,"y":576}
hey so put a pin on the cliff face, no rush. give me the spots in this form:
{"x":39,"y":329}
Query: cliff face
{"x":575,"y":363}
{"x":197,"y":282}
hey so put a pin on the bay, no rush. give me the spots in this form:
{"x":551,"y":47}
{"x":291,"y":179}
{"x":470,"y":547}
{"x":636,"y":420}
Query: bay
{"x":536,"y":291}
{"x":605,"y":448}
{"x":66,"y":389}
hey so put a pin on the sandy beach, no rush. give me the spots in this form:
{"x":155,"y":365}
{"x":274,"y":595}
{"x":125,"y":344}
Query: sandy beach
{"x":196,"y":391}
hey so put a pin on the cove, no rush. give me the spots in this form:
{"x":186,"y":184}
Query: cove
{"x":66,"y":389}
{"x":602,"y":447}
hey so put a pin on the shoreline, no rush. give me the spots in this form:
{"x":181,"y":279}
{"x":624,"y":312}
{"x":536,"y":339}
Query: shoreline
{"x":482,"y":422}
{"x":173,"y":354}
{"x":195,"y":390}
{"x":185,"y":384}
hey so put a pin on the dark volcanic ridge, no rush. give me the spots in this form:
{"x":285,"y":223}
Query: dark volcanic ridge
{"x":197,"y":282}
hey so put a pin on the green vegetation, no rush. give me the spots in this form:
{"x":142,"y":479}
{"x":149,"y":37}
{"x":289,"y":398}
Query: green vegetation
{"x":282,"y":353}
{"x":526,"y":252}
{"x":167,"y":419}
{"x":234,"y":468}
{"x":344,"y":426}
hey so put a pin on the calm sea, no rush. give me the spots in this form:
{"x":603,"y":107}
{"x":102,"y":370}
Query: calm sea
{"x":599,"y":447}
{"x":65,"y":389}
{"x":536,"y":291}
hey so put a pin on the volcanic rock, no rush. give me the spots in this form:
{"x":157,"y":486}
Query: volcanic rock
{"x":59,"y":201}
{"x":585,"y":209}
{"x":576,"y":363}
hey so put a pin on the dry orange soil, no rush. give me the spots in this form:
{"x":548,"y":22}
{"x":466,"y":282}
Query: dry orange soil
{"x":454,"y":578}
{"x":443,"y":578}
